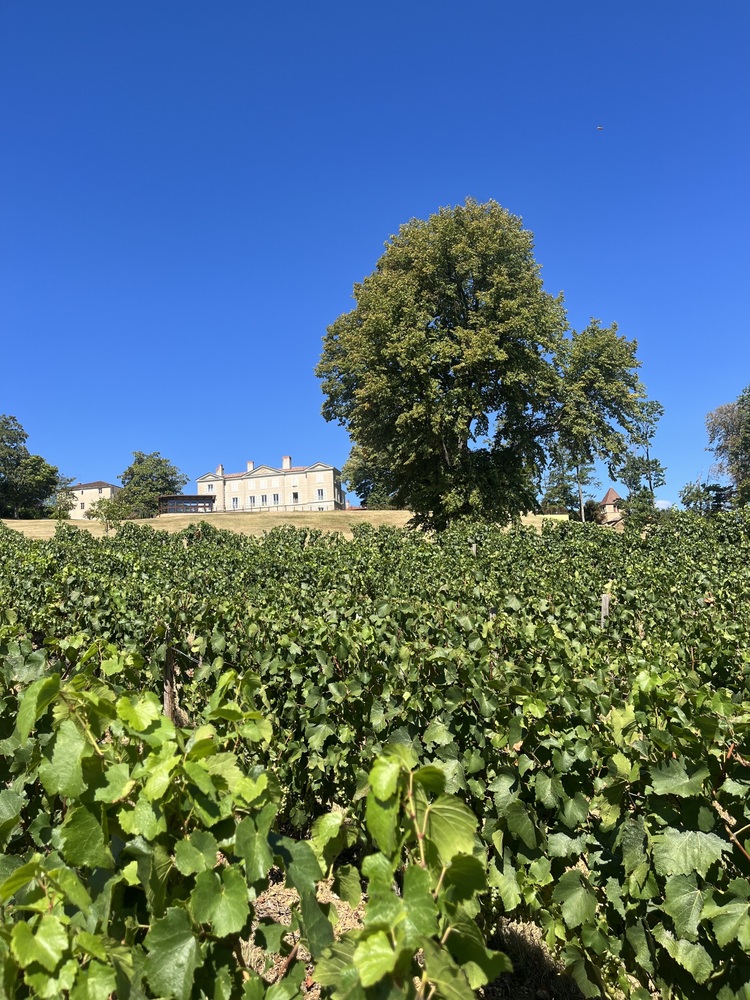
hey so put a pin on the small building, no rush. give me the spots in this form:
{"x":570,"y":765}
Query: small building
{"x":187,"y":503}
{"x":86,"y":494}
{"x":266,"y":488}
{"x":611,"y":513}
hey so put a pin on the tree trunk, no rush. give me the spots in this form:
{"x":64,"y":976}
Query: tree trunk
{"x":580,"y":495}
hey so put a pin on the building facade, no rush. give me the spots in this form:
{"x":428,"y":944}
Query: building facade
{"x":86,"y":494}
{"x":264,"y":488}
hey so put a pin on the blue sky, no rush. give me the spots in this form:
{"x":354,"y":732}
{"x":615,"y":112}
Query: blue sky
{"x":191,"y":189}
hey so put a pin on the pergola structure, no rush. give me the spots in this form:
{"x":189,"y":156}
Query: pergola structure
{"x":186,"y":503}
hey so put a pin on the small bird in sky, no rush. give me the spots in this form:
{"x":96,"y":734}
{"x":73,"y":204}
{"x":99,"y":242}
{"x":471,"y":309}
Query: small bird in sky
{"x":599,"y":128}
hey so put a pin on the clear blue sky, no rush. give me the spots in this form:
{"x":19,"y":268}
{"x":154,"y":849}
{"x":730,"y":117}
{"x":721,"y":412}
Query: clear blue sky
{"x":190,"y":190}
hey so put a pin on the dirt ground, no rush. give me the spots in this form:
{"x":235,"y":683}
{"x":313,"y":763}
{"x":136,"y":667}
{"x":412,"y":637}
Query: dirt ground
{"x":535,"y":976}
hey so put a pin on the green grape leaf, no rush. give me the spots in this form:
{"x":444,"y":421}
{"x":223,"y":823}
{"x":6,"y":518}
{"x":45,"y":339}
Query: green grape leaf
{"x":443,"y":973}
{"x":437,"y":734}
{"x":450,"y":826}
{"x":97,"y":983}
{"x":420,"y":908}
{"x":549,"y":789}
{"x":251,"y":843}
{"x":684,"y":852}
{"x":347,"y":885}
{"x":384,"y":777}
{"x":173,"y":955}
{"x":221,"y":901}
{"x":577,"y":897}
{"x":520,"y":823}
{"x":63,"y":774}
{"x":11,"y":804}
{"x":692,"y":957}
{"x":119,"y":784}
{"x":46,"y":944}
{"x":466,"y":875}
{"x":139,"y":711}
{"x":480,"y":964}
{"x":673,"y":779}
{"x":336,"y":968}
{"x":82,"y":838}
{"x":560,"y":845}
{"x":684,"y":903}
{"x":731,"y":922}
{"x":34,"y":701}
{"x":374,"y":958}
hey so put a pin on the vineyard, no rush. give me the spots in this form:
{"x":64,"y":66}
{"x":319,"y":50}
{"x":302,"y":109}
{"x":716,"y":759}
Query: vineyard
{"x":442,"y":730}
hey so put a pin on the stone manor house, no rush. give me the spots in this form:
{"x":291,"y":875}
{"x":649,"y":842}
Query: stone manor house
{"x":263,"y":488}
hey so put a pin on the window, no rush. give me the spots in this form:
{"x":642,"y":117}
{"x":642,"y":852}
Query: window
{"x":210,"y":487}
{"x":321,"y":494}
{"x":234,"y":487}
{"x":83,"y":505}
{"x":295,"y":497}
{"x":319,"y":477}
{"x":100,"y":489}
{"x":235,"y":503}
{"x":276,"y":499}
{"x":251,"y":501}
{"x":275,"y":482}
{"x":262,"y":484}
{"x":263,"y":500}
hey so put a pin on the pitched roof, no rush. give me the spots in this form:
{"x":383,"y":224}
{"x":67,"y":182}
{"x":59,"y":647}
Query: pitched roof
{"x":99,"y":484}
{"x":611,"y":496}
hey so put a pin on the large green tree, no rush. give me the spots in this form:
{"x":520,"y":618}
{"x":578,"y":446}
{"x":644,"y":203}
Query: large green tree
{"x":148,"y":477}
{"x":368,"y":478}
{"x":452,"y":371}
{"x":728,"y":429}
{"x":26,"y":481}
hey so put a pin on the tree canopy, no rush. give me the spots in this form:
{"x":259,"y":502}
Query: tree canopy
{"x":27,"y":482}
{"x":728,"y":429}
{"x":455,"y":372}
{"x":146,"y":479}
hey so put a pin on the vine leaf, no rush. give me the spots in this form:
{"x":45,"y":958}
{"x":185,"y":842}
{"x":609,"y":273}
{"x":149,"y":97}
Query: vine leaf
{"x":374,"y":958}
{"x":173,"y":955}
{"x":684,"y":903}
{"x":577,"y":898}
{"x":63,"y":774}
{"x":444,"y":974}
{"x":673,"y":779}
{"x":221,"y":901}
{"x":692,"y":957}
{"x":684,"y":852}
{"x":45,"y":945}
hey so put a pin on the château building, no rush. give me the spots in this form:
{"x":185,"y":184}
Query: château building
{"x":265,"y":488}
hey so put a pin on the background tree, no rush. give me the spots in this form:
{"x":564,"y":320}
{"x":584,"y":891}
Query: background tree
{"x":454,"y":373}
{"x":146,"y":479}
{"x":110,"y":511}
{"x":442,"y":370}
{"x":601,"y":398}
{"x":26,"y":480}
{"x":639,"y":470}
{"x":728,"y":429}
{"x":63,"y":500}
{"x":568,"y":485}
{"x":364,"y":476}
{"x":706,"y":499}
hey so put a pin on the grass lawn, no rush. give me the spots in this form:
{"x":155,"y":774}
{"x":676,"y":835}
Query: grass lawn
{"x":254,"y":524}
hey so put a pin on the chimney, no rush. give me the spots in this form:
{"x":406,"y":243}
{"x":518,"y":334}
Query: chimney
{"x":250,"y":466}
{"x":219,"y":470}
{"x":286,"y":462}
